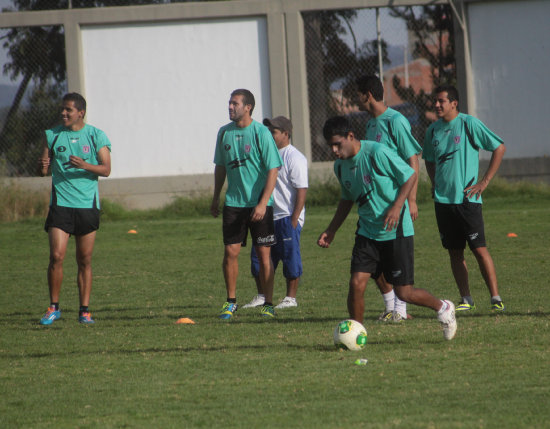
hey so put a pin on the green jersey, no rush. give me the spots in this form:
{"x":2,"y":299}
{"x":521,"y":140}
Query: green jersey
{"x":392,"y":129}
{"x":454,"y":149}
{"x":373,"y":178}
{"x":71,"y":186}
{"x":247,"y":155}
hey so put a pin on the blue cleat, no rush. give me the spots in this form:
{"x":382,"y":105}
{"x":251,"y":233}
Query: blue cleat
{"x":51,"y":315}
{"x":86,"y":318}
{"x":227,"y":310}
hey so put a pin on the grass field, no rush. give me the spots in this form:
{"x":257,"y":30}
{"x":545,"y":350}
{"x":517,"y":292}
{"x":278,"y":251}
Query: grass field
{"x":137,"y":368}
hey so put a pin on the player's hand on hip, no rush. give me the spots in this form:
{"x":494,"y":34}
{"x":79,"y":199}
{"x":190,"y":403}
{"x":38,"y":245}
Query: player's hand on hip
{"x":475,"y":190}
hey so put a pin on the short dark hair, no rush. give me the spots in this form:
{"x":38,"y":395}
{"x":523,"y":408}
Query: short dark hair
{"x":336,"y":126}
{"x":77,"y":99}
{"x":452,"y":92}
{"x":370,"y":83}
{"x":248,"y":97}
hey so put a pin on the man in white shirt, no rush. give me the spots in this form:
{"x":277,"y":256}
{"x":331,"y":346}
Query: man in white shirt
{"x":289,"y":197}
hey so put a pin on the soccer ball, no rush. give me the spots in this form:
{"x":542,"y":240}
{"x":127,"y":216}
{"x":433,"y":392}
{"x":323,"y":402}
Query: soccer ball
{"x":350,"y":335}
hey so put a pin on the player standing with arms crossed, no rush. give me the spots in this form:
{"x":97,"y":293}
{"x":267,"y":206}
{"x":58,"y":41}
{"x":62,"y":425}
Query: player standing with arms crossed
{"x":289,"y":198}
{"x":379,"y":181}
{"x":392,"y":129}
{"x":78,"y":154}
{"x":247,"y":155}
{"x":451,"y":152}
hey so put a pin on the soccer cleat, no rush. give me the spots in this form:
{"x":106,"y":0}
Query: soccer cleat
{"x":448,"y":321}
{"x":287,"y":302}
{"x":267,"y":311}
{"x":386,"y":316}
{"x":497,"y":306}
{"x":256,"y":302}
{"x":227,"y":310}
{"x":86,"y":318}
{"x":51,"y":315}
{"x":397,"y":318}
{"x":464,"y":306}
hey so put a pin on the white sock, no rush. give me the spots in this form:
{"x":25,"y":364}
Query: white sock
{"x":400,"y":307}
{"x":389,"y":300}
{"x":443,"y":307}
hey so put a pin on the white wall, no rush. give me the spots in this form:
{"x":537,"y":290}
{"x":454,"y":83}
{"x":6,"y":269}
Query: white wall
{"x":161,"y":92}
{"x":510,"y":47}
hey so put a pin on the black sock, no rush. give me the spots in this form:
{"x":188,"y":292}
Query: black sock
{"x":232,"y":300}
{"x":83,"y":309}
{"x":55,"y":305}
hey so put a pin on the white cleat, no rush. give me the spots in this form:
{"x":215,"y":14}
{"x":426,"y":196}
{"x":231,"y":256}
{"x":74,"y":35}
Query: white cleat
{"x":287,"y":302}
{"x":257,"y":301}
{"x":448,"y":321}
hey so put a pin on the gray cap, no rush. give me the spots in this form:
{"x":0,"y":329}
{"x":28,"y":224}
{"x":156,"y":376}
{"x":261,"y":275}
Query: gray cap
{"x":280,"y":122}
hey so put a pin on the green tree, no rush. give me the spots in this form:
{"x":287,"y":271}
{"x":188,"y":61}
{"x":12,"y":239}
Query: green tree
{"x":332,"y":64}
{"x":433,"y":32}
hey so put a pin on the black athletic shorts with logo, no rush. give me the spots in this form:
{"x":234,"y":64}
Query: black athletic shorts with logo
{"x":73,"y":221}
{"x":460,"y":223}
{"x":236,"y":223}
{"x":394,"y":258}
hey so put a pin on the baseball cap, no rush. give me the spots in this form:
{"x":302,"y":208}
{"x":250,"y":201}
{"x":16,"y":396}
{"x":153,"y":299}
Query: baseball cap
{"x":280,"y":122}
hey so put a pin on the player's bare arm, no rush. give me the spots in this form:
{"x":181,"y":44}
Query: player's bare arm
{"x":393,"y":214}
{"x":103,"y":169}
{"x":259,"y":211}
{"x":494,"y":164}
{"x":299,"y":204}
{"x":413,"y":208}
{"x":44,"y":160}
{"x":219,"y":180}
{"x":430,"y":169}
{"x":342,"y":211}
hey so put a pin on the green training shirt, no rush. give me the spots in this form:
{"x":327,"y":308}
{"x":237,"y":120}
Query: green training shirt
{"x":372,"y":179}
{"x":74,"y":187}
{"x":456,"y":156}
{"x":394,"y":130}
{"x":247,"y":155}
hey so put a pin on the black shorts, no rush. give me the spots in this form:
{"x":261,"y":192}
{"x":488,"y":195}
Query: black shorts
{"x":460,"y":223}
{"x":394,"y":258}
{"x":236,"y":223}
{"x":73,"y":221}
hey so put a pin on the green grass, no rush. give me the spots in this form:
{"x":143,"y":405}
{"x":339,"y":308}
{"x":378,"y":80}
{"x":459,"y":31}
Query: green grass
{"x":137,"y":368}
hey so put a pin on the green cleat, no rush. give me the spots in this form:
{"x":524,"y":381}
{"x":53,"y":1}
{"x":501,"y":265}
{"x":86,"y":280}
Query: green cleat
{"x":267,"y":311}
{"x":497,"y":306}
{"x":464,"y":306}
{"x":227,"y":310}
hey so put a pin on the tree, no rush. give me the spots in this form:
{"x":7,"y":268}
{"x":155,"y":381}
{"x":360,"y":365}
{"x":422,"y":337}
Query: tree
{"x":331,"y":66}
{"x":432,"y":28}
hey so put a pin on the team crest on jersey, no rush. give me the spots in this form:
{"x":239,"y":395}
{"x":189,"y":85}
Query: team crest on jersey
{"x":227,"y":147}
{"x":86,"y":149}
{"x":378,"y":137}
{"x":247,"y":148}
{"x":367,"y":180}
{"x":347,"y":184}
{"x":457,"y":139}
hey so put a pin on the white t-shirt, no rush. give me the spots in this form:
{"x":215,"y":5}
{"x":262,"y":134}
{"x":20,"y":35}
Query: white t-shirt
{"x":292,"y":175}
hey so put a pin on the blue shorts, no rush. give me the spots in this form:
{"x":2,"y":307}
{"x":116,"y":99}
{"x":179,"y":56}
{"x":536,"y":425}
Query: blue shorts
{"x":287,"y":250}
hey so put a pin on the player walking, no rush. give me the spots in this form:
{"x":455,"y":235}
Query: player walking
{"x":78,"y":154}
{"x":289,"y":198}
{"x":451,"y":152}
{"x":391,"y":128}
{"x":379,"y":181}
{"x":247,"y":155}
